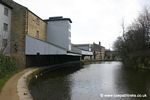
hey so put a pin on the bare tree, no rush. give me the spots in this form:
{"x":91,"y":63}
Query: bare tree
{"x":136,"y":40}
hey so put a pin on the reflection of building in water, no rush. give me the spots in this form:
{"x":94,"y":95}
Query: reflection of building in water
{"x":56,"y":85}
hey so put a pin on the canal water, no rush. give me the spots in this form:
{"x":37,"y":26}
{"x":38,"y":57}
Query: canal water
{"x":99,"y":81}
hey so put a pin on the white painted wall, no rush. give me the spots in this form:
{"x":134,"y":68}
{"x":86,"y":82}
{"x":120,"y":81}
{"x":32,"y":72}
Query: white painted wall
{"x":34,"y":46}
{"x":83,"y":52}
{"x":4,"y":34}
{"x":59,"y":33}
{"x":86,"y":47}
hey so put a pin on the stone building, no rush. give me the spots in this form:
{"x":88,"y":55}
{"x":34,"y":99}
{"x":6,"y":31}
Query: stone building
{"x":112,"y":55}
{"x":30,"y":42}
{"x":98,"y":51}
{"x":24,"y":22}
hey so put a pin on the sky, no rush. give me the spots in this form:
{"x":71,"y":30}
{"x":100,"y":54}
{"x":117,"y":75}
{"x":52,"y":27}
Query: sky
{"x":93,"y":20}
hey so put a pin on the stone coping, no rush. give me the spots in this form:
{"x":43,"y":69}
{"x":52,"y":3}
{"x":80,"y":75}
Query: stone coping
{"x":22,"y":85}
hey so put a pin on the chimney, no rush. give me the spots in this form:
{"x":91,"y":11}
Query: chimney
{"x":99,"y":43}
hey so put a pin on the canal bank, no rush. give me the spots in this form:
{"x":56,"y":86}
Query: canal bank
{"x":23,"y":82}
{"x":9,"y":91}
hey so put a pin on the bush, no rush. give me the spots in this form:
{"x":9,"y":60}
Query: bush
{"x":7,"y":65}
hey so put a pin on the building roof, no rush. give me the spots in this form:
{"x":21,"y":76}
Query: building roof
{"x":81,"y":44}
{"x":58,"y":18}
{"x":1,"y":2}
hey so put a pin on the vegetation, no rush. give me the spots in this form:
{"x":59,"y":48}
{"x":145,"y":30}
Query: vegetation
{"x":8,"y":67}
{"x":134,"y":45}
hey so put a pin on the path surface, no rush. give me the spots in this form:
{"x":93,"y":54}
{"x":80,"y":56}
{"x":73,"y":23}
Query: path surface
{"x":9,"y":91}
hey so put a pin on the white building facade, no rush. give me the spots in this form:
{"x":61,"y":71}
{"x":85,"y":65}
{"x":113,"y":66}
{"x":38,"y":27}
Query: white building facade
{"x":5,"y":28}
{"x":59,"y":32}
{"x":86,"y":47}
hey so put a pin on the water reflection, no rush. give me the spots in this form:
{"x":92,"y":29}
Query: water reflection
{"x":90,"y":82}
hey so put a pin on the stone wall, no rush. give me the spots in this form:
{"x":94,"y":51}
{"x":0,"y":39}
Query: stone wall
{"x":36,"y":25}
{"x":17,"y":34}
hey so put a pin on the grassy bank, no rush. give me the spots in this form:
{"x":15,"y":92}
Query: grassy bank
{"x":8,"y":67}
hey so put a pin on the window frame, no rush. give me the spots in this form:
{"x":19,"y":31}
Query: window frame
{"x":5,"y":27}
{"x":6,"y":11}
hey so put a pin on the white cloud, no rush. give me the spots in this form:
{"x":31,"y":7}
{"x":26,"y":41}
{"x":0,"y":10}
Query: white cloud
{"x":93,"y":20}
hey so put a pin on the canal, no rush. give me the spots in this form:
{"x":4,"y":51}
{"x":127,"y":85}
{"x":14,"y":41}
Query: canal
{"x":99,"y":81}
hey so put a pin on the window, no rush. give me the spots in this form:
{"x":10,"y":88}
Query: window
{"x":37,"y":34}
{"x":6,"y":11}
{"x":37,"y":21}
{"x":4,"y":43}
{"x":5,"y":27}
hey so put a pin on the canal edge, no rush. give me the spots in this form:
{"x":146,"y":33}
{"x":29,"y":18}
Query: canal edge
{"x":24,"y":80}
{"x":22,"y":85}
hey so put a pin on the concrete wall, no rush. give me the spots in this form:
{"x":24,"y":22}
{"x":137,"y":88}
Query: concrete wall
{"x":5,"y":34}
{"x":35,"y":46}
{"x":35,"y":24}
{"x":59,"y":33}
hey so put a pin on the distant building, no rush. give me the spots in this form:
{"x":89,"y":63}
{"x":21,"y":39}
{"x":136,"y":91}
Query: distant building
{"x":98,"y":51}
{"x":112,"y":55}
{"x":85,"y":50}
{"x":5,"y":27}
{"x":59,"y":31}
{"x":86,"y":47}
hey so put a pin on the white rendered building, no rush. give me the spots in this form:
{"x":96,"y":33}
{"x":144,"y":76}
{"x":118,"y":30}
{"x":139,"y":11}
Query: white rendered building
{"x":5,"y":27}
{"x":59,"y":32}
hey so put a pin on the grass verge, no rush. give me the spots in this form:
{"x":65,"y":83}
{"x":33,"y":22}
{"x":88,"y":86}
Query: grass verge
{"x":8,"y":68}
